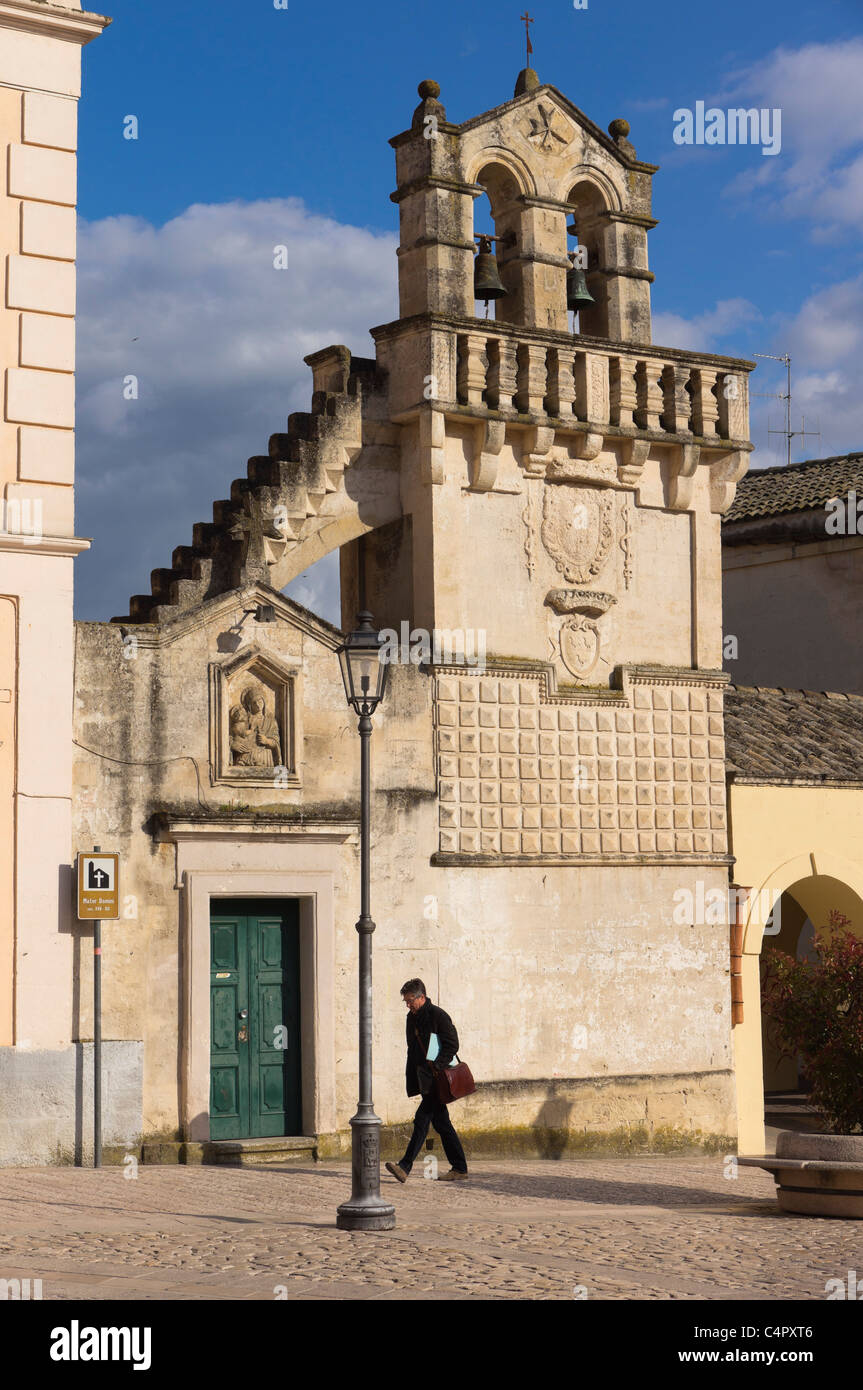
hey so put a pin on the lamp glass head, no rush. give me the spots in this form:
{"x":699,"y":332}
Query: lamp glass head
{"x":364,"y":665}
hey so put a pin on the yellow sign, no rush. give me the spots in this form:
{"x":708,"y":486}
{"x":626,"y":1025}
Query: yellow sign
{"x":98,"y":887}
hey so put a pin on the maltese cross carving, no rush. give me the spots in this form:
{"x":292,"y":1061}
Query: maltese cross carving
{"x":546,"y":131}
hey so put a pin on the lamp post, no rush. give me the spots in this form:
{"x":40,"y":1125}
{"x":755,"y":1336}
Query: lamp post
{"x":364,"y":672}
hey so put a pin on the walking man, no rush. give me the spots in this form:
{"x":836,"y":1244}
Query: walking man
{"x":424,"y":1019}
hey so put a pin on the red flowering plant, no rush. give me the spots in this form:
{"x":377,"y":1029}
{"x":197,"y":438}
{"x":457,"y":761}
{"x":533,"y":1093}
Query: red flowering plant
{"x":815,"y":1009}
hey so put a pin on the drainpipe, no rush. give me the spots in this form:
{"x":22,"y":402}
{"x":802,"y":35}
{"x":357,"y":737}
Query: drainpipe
{"x":738,"y":927}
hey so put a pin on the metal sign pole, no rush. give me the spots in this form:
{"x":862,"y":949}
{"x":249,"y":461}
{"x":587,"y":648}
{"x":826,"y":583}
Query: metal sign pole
{"x":97,"y":1038}
{"x":98,"y":902}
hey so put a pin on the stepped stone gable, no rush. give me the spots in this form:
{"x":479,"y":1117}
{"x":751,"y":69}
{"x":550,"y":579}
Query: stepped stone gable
{"x":297,"y":502}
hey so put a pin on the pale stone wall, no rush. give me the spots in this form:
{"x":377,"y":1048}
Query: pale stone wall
{"x":557,"y":975}
{"x":145,"y":720}
{"x":802,"y":632}
{"x":47,"y":1112}
{"x":38,"y":135}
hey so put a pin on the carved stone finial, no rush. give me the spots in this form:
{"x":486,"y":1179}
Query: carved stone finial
{"x":619,"y":130}
{"x":429,"y":91}
{"x":527,"y":81}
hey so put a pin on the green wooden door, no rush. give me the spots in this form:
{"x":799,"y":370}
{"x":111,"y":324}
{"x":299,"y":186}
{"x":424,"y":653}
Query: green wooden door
{"x":254,"y":1019}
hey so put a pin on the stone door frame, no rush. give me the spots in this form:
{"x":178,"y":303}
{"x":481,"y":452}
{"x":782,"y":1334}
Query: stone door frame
{"x":307,"y":866}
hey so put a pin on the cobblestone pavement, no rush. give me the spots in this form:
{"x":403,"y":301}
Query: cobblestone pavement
{"x":650,"y":1228}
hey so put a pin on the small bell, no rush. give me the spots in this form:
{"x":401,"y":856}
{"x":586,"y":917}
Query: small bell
{"x":578,"y":296}
{"x":487,"y":283}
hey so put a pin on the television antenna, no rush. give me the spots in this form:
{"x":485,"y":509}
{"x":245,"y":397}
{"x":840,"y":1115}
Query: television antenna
{"x":785,"y":396}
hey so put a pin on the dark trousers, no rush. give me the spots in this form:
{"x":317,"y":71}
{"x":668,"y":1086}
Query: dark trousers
{"x":431,"y":1112}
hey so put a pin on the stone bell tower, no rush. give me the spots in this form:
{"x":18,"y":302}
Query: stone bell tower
{"x":542,"y":164}
{"x":561,"y":491}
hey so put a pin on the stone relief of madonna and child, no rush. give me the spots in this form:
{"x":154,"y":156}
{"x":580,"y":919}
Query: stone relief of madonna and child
{"x":253,"y":731}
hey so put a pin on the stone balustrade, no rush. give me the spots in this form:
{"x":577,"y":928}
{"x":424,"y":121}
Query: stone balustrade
{"x":656,"y":389}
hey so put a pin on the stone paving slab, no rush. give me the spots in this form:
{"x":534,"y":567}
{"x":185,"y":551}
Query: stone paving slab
{"x":618,"y":1229}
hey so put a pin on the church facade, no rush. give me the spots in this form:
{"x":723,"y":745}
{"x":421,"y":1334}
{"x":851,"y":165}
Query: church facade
{"x":546,"y":508}
{"x":534,"y":515}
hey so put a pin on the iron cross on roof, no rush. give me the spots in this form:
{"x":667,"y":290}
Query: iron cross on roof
{"x":527,"y":20}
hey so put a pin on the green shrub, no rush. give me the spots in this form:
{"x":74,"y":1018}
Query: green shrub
{"x":815,"y":1008}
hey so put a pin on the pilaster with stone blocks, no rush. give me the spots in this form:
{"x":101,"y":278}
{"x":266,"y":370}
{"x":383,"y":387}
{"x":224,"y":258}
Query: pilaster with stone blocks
{"x":40,"y":82}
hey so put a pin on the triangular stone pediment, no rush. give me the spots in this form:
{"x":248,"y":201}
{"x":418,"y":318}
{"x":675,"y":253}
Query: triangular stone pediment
{"x":541,"y":115}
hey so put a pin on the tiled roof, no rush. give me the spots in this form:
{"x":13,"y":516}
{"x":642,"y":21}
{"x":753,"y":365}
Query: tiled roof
{"x":796,"y":487}
{"x":805,"y":734}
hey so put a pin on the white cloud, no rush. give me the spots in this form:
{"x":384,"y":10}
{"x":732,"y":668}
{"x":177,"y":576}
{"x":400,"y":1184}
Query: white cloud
{"x":216,"y":338}
{"x":825,"y":340}
{"x":318,"y":588}
{"x":700,"y":334}
{"x":818,"y":174}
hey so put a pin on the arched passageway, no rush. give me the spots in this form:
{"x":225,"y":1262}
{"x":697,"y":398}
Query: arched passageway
{"x":783,"y":912}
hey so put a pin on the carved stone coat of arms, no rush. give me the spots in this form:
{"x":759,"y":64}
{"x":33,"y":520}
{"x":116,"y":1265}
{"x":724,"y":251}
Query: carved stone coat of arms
{"x":578,"y":528}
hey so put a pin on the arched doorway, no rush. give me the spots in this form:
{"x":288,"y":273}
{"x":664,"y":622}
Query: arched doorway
{"x":798,"y":913}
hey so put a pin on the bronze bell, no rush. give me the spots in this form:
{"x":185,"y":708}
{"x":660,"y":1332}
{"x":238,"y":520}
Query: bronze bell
{"x":578,"y":296}
{"x":487,"y":283}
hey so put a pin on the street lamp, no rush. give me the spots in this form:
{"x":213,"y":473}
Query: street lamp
{"x":364,"y":672}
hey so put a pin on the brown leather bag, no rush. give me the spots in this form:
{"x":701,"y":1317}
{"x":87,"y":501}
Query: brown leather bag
{"x":452,"y":1083}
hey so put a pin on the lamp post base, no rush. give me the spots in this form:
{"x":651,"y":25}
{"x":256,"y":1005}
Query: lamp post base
{"x":365,"y":1209}
{"x":365,"y":1214}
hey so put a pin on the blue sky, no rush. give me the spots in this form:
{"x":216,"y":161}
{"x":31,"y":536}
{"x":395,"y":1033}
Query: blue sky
{"x":260,"y":125}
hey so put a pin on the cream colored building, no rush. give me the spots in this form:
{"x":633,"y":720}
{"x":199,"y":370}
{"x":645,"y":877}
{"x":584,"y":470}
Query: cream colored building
{"x":40,"y":82}
{"x":794,"y":537}
{"x":791,"y":561}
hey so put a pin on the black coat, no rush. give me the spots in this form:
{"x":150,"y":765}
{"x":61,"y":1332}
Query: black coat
{"x":429,"y":1019}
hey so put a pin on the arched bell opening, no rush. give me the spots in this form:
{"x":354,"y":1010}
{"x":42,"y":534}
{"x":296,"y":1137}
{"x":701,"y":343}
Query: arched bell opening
{"x":585,"y":233}
{"x":486,"y":270}
{"x":496,"y":214}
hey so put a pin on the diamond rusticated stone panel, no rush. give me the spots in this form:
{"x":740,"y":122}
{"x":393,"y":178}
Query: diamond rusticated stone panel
{"x":518,"y":774}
